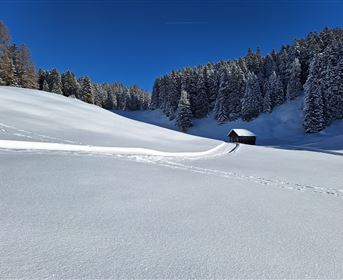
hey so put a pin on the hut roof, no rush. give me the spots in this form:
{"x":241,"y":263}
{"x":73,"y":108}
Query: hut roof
{"x":242,"y":132}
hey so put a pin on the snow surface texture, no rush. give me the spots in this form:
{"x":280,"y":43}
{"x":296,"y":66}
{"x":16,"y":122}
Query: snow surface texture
{"x":92,"y":211}
{"x":281,"y":128}
{"x":33,"y":115}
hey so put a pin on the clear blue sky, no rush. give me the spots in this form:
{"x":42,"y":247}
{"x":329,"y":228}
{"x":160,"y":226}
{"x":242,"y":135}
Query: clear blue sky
{"x":136,"y":41}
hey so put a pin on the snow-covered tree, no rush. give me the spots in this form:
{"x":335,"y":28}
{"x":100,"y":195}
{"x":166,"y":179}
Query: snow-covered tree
{"x":313,"y":104}
{"x":184,"y":113}
{"x":87,"y":90}
{"x":252,"y":101}
{"x":200,"y":97}
{"x":294,"y":85}
{"x":332,"y":81}
{"x":54,"y":81}
{"x":220,"y":109}
{"x":70,"y":85}
{"x":45,"y":86}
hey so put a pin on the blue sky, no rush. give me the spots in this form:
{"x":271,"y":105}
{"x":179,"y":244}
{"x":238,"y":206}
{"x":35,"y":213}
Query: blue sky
{"x":136,"y":41}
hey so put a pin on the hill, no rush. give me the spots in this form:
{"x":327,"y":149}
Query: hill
{"x":77,"y":202}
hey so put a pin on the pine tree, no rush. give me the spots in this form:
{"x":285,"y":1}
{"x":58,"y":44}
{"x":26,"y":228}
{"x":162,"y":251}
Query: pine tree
{"x":252,"y":101}
{"x":4,"y":36}
{"x":314,"y":109}
{"x":313,"y":103}
{"x":184,"y":113}
{"x":267,"y":101}
{"x":269,"y":64}
{"x":155,"y":95}
{"x":7,"y":68}
{"x":45,"y":86}
{"x":100,"y":95}
{"x":54,"y":80}
{"x":212,"y":84}
{"x":220,"y":110}
{"x":332,"y":81}
{"x":87,"y":90}
{"x":18,"y":71}
{"x":41,"y":77}
{"x":28,"y":75}
{"x":294,"y":86}
{"x":172,"y":92}
{"x":70,"y":85}
{"x":200,"y":102}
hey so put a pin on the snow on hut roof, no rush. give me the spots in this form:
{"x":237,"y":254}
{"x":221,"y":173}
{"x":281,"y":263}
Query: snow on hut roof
{"x":242,"y":132}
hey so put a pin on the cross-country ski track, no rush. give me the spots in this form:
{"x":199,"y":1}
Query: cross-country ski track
{"x":165,"y":159}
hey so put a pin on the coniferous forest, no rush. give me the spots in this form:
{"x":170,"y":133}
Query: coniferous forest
{"x":17,"y":70}
{"x":254,"y":84}
{"x":228,"y":90}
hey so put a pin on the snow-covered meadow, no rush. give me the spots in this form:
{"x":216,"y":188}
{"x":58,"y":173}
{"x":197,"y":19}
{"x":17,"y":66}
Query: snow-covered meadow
{"x":90,"y":204}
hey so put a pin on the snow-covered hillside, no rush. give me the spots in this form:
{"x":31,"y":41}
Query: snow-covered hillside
{"x":282,"y":128}
{"x":109,"y":197}
{"x":33,"y":115}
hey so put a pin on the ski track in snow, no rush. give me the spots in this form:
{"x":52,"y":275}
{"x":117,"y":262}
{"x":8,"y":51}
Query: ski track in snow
{"x":256,"y":179}
{"x":165,"y":159}
{"x":12,"y":130}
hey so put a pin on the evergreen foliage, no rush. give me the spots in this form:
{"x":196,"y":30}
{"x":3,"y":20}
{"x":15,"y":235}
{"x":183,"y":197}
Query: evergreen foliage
{"x":17,"y":69}
{"x":184,"y":113}
{"x":253,"y":84}
{"x":313,"y":106}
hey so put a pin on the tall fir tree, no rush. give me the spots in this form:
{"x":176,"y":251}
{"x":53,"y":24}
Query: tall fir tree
{"x":313,"y":103}
{"x":294,"y":85}
{"x":184,"y":113}
{"x":70,"y":85}
{"x":54,"y":80}
{"x":252,"y":101}
{"x":45,"y":86}
{"x":87,"y":90}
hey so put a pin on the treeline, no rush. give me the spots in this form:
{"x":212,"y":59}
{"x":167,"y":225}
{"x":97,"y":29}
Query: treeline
{"x":113,"y":96}
{"x":17,"y":69}
{"x":255,"y":84}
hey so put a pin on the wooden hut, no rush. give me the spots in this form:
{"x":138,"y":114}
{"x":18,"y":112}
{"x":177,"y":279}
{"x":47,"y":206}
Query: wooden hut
{"x":239,"y":135}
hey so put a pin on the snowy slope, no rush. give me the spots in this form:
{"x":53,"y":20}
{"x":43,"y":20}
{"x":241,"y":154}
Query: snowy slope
{"x":283,"y":127}
{"x":33,"y":115}
{"x":88,"y":204}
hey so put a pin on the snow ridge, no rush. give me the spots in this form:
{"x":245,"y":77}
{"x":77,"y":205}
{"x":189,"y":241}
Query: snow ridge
{"x":44,"y":146}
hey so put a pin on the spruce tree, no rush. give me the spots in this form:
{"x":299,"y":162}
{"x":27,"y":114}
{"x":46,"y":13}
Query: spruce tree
{"x":200,"y":102}
{"x":184,"y":113}
{"x":313,"y":108}
{"x":45,"y":86}
{"x":40,"y":78}
{"x":267,"y":101}
{"x":155,"y":95}
{"x":55,"y":83}
{"x":332,"y":81}
{"x":252,"y":101}
{"x":294,"y":86}
{"x":87,"y":90}
{"x":313,"y":103}
{"x":220,"y":109}
{"x":70,"y":85}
